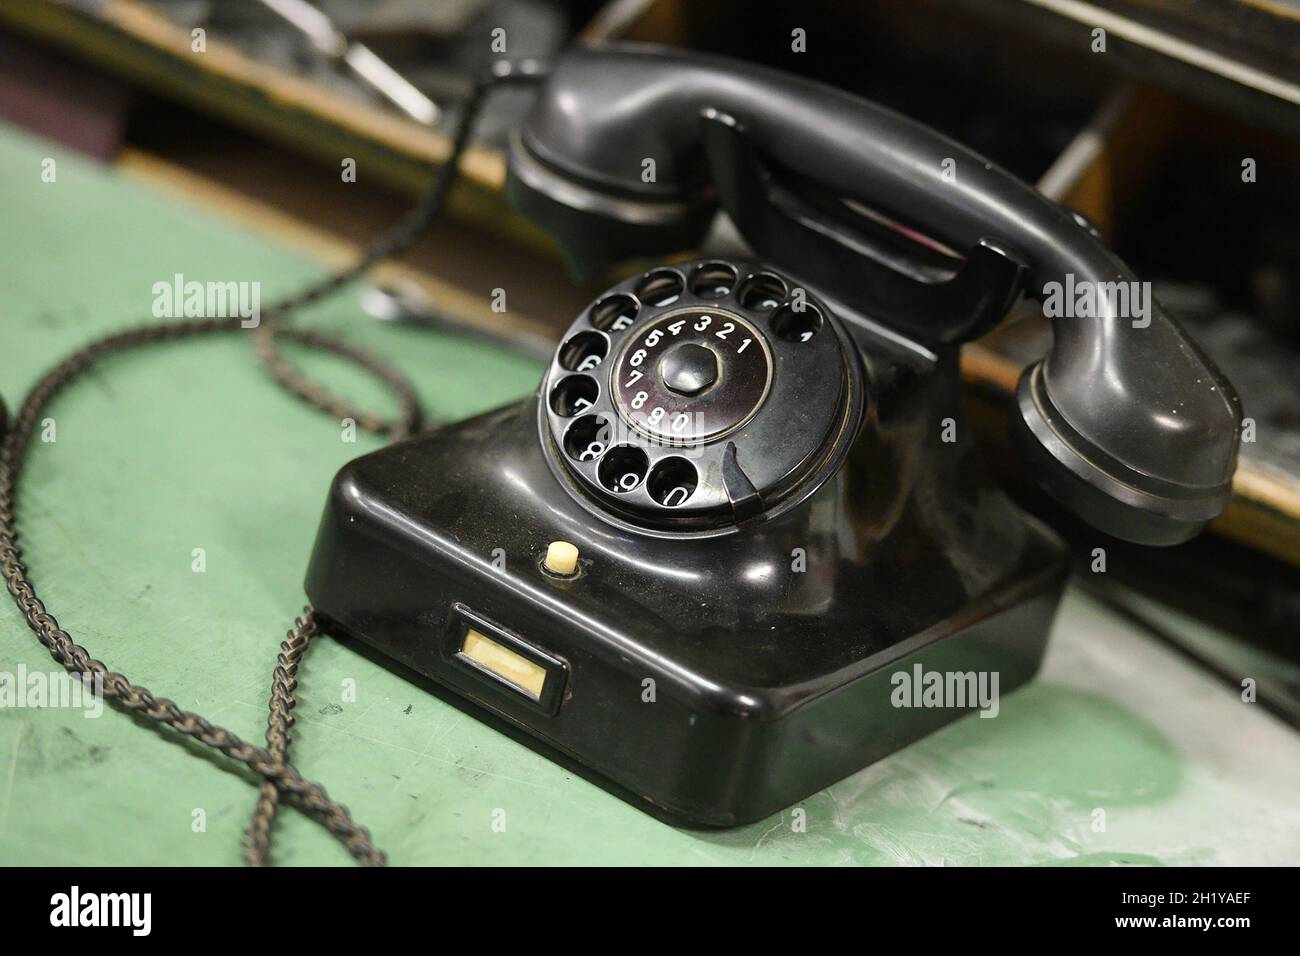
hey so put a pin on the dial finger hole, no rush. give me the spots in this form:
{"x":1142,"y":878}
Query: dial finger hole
{"x":713,"y":280}
{"x":661,"y":287}
{"x":587,"y":438}
{"x":574,"y":394}
{"x":584,"y":351}
{"x":623,"y":468}
{"x":762,"y":292}
{"x":672,"y":482}
{"x":796,"y":324}
{"x":614,"y":313}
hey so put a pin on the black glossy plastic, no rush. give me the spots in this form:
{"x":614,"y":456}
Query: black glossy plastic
{"x":721,"y":675}
{"x":788,"y":393}
{"x":1123,"y":405}
{"x":809,"y":522}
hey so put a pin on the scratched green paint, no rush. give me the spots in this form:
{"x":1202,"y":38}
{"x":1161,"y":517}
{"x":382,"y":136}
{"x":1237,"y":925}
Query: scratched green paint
{"x":188,"y":445}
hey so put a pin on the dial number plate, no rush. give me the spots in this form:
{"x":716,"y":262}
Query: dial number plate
{"x":743,"y":376}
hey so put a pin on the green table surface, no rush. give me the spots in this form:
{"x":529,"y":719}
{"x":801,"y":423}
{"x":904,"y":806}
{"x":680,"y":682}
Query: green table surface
{"x":189,"y":445}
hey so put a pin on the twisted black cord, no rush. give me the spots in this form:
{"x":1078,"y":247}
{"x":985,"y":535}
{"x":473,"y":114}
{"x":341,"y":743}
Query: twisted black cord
{"x":278,"y":775}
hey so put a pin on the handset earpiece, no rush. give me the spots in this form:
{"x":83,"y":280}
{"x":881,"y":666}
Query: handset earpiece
{"x":596,"y":228}
{"x":1125,"y":421}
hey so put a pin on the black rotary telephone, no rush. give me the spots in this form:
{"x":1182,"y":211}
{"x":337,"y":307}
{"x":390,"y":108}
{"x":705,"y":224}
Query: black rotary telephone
{"x":744,"y":498}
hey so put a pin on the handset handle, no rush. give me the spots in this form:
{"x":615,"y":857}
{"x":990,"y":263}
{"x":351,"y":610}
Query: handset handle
{"x":1125,"y":420}
{"x":850,"y":267}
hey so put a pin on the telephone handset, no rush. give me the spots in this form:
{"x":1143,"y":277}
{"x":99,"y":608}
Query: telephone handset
{"x":743,"y":501}
{"x":1126,"y":422}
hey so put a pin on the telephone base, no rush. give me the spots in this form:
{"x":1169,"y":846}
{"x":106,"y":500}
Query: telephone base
{"x":720,"y":677}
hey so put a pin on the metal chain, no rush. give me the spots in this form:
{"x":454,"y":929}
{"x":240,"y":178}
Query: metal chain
{"x":278,"y":775}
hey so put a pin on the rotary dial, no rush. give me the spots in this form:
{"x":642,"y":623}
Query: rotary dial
{"x":698,"y":395}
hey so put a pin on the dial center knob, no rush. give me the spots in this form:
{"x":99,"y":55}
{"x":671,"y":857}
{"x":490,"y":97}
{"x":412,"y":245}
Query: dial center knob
{"x":691,"y":375}
{"x":689,"y":368}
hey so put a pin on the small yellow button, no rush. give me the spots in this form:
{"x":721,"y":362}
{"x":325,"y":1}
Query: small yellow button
{"x":561,"y":558}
